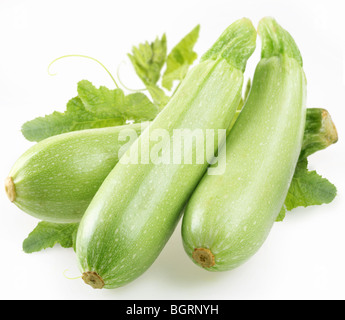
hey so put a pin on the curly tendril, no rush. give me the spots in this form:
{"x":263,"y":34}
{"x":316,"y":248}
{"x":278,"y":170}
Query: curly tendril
{"x":122,"y":84}
{"x":82,"y":56}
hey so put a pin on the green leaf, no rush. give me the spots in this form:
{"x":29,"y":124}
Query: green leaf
{"x":94,"y":108}
{"x":158,"y":95}
{"x":102,"y":100}
{"x":84,"y":119}
{"x":47,"y":235}
{"x":76,"y":117}
{"x":138,"y":107}
{"x":308,"y":188}
{"x":148,"y":60}
{"x":114,"y":103}
{"x":180,"y":59}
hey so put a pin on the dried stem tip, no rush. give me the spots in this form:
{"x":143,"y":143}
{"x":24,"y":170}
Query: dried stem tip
{"x":10,"y":189}
{"x":93,"y":279}
{"x":331,"y":133}
{"x":204,"y":257}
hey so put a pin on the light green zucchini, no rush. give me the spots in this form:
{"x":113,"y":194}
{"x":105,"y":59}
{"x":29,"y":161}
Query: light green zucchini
{"x":229,"y":216}
{"x":35,"y":191}
{"x":138,"y":206}
{"x":56,"y":179}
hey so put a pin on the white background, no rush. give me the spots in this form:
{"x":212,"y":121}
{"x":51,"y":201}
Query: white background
{"x":303,"y":258}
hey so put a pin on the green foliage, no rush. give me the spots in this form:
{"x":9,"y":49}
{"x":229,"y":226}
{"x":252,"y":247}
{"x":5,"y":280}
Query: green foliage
{"x":47,"y":235}
{"x":307,"y":189}
{"x":93,"y":108}
{"x":148,"y":60}
{"x":180,"y":59}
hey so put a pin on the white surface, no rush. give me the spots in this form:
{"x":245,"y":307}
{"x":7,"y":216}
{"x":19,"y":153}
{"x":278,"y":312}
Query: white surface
{"x":303,"y":258}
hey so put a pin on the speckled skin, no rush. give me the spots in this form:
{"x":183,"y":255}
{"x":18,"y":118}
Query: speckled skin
{"x":139,"y":205}
{"x":232,"y":214}
{"x":56,"y":179}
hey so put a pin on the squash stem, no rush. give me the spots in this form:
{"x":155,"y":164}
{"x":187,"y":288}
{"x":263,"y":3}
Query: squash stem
{"x":320,"y":132}
{"x":10,"y":189}
{"x":330,"y":129}
{"x":204,"y":257}
{"x":93,"y":279}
